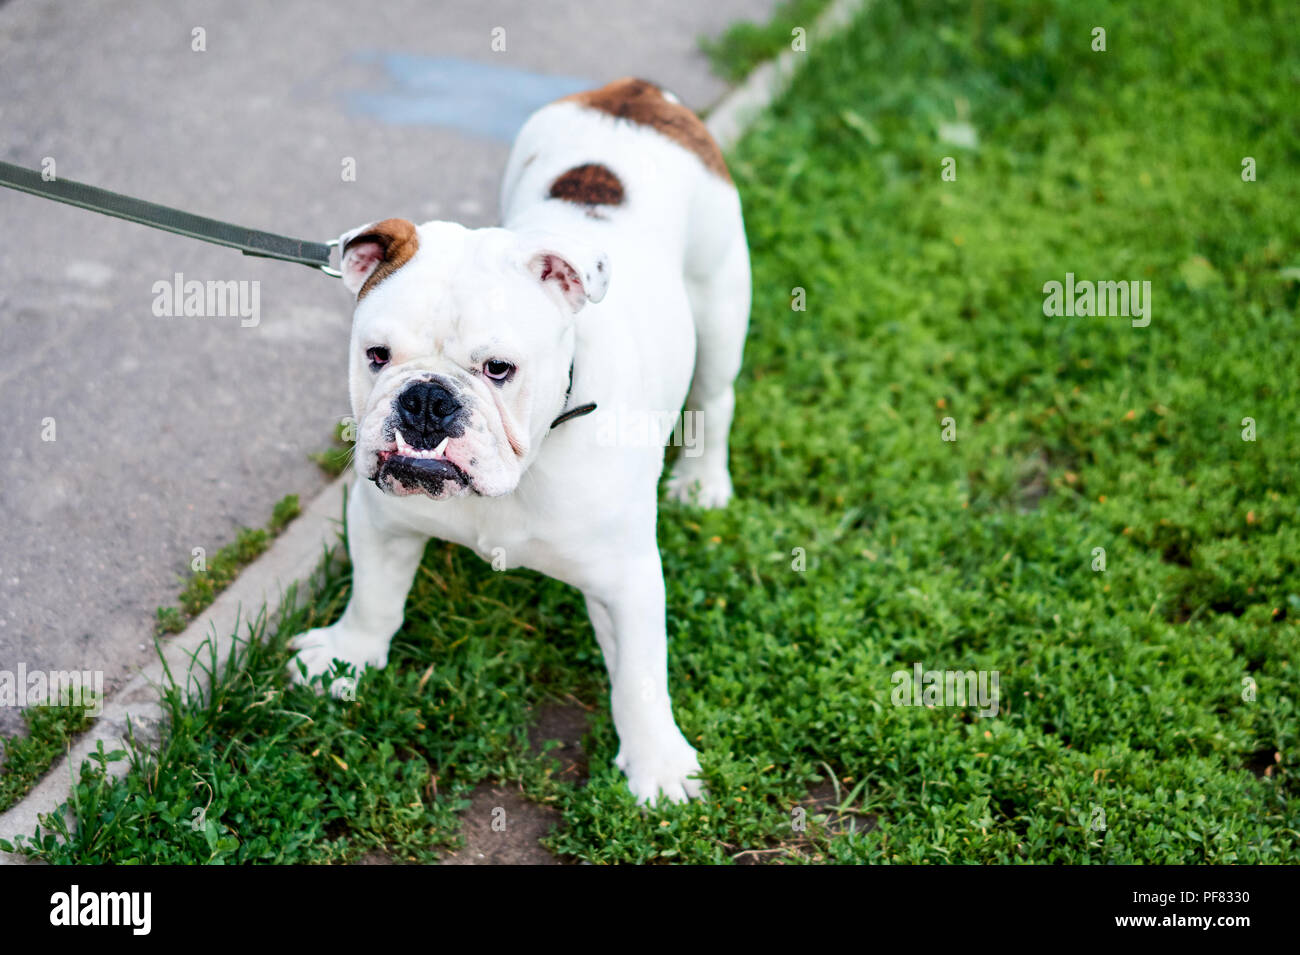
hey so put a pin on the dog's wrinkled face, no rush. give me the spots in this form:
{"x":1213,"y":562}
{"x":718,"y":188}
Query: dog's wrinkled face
{"x":462,"y":342}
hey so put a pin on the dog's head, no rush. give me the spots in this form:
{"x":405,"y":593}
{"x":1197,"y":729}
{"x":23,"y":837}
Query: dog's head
{"x":462,"y":343}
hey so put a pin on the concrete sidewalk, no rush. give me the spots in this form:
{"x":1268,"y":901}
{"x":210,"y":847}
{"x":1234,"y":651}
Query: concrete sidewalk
{"x":172,"y":432}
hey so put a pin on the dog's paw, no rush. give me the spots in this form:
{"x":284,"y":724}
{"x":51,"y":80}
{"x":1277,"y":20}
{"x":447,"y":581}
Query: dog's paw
{"x":672,"y":774}
{"x":690,"y":484}
{"x":318,"y":649}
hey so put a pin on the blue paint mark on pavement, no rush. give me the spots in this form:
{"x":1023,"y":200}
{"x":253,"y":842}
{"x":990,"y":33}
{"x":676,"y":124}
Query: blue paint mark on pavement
{"x":473,"y":97}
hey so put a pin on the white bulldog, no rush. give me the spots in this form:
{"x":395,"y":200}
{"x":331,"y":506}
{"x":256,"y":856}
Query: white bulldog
{"x":483,"y":360}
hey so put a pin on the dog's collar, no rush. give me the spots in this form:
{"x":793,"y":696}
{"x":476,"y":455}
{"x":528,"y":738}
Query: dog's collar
{"x":577,"y":412}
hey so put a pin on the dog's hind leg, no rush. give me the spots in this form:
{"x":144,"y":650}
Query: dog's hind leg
{"x":718,"y":287}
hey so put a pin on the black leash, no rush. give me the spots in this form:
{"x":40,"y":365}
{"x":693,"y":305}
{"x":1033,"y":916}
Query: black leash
{"x":267,"y":245}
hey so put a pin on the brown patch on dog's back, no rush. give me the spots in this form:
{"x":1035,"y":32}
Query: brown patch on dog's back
{"x":590,"y":184}
{"x":399,"y":241}
{"x":645,"y":104}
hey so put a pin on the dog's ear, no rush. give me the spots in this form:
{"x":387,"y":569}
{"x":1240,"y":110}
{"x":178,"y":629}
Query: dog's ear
{"x":568,"y":268}
{"x":371,"y":253}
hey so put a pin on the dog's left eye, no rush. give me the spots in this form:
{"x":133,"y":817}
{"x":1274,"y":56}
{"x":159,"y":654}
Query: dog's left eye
{"x":497,"y":370}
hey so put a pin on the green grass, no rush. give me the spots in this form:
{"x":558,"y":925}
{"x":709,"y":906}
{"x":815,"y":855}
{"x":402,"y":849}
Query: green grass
{"x":27,"y":758}
{"x":1122,"y":691}
{"x":746,"y":44}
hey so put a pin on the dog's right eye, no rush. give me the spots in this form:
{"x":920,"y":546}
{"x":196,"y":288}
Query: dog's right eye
{"x":378,"y":357}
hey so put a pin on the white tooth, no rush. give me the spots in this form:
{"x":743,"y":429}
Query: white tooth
{"x":401,"y":442}
{"x":441,"y":447}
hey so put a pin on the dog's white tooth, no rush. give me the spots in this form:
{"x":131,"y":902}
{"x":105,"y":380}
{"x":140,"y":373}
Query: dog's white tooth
{"x":441,"y":447}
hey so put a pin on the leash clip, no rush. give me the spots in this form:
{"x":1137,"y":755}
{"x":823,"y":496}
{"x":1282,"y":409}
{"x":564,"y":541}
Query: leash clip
{"x":335,"y":273}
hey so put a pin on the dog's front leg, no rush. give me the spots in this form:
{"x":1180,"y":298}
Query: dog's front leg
{"x":653,"y":753}
{"x":384,"y":561}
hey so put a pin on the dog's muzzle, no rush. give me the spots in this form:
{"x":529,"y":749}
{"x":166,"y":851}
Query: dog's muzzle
{"x":425,"y":418}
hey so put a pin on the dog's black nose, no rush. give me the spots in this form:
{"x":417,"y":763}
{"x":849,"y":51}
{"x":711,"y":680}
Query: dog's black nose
{"x":427,"y":412}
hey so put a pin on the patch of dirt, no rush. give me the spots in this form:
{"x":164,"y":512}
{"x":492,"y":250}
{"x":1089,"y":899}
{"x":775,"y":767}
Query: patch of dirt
{"x":820,"y":801}
{"x":1263,"y":762}
{"x":567,"y":723}
{"x":500,"y":826}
